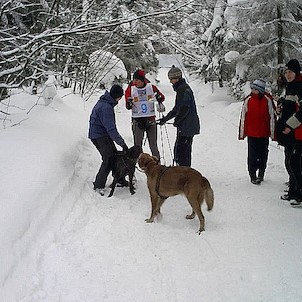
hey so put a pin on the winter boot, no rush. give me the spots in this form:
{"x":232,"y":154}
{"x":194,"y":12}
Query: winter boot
{"x":100,"y":191}
{"x":293,"y":193}
{"x":254,"y":179}
{"x":296,"y":202}
{"x":261,"y":175}
{"x":298,"y":198}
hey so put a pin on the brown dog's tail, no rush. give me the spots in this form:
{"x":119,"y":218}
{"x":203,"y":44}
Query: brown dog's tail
{"x":209,"y":195}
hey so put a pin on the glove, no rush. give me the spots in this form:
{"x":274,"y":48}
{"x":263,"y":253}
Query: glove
{"x":162,"y":121}
{"x":280,"y":100}
{"x":160,"y":107}
{"x":158,"y":97}
{"x":125,"y":149}
{"x":129,"y":104}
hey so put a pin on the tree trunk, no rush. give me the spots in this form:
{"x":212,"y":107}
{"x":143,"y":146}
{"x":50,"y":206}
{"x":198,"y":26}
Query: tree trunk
{"x":280,"y":50}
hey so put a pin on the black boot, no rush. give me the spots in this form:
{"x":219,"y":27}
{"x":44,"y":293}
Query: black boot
{"x":254,"y":179}
{"x":261,"y":175}
{"x":293,"y":193}
{"x":297,"y":202}
{"x":298,"y":199}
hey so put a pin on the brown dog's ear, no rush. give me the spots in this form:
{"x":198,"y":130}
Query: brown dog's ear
{"x":142,"y":161}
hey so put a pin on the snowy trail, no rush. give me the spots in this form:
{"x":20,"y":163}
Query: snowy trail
{"x":101,"y":245}
{"x":100,"y":249}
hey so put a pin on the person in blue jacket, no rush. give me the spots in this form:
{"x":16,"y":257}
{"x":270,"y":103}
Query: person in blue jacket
{"x":103,"y":134}
{"x":185,"y":116}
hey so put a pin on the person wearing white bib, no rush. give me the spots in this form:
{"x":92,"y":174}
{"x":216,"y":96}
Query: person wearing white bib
{"x":142,"y":98}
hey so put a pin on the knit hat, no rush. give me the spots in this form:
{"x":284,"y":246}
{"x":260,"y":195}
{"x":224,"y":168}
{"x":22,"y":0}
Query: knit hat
{"x":174,"y":73}
{"x":294,"y":66}
{"x":139,"y":75}
{"x":116,"y":91}
{"x":259,"y":85}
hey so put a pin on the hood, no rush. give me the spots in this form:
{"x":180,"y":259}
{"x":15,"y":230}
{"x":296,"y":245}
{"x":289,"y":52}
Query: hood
{"x":106,"y":97}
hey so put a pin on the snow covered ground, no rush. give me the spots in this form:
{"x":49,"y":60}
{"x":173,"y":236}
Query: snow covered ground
{"x":61,"y":241}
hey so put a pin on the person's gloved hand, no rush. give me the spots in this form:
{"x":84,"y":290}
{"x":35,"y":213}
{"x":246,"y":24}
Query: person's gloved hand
{"x":129,"y":103}
{"x":160,"y":107}
{"x":162,"y":121}
{"x":125,"y":149}
{"x":159,"y":98}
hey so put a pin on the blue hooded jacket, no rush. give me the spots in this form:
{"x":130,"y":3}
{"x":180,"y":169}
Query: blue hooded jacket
{"x":102,"y":120}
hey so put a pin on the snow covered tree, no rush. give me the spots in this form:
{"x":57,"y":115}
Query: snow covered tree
{"x":266,"y":34}
{"x":38,"y":36}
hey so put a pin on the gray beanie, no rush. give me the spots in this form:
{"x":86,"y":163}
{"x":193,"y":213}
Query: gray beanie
{"x":259,"y":85}
{"x":174,"y":73}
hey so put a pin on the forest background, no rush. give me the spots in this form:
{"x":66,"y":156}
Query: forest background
{"x":232,"y":42}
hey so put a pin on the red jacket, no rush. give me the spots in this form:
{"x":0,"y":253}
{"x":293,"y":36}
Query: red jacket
{"x":257,"y":117}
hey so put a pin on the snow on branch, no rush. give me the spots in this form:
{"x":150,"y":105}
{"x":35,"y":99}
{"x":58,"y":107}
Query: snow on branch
{"x":216,"y":22}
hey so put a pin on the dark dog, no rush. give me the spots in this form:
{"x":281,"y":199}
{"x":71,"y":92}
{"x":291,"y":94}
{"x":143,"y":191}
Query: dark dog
{"x":164,"y":182}
{"x":125,"y":165}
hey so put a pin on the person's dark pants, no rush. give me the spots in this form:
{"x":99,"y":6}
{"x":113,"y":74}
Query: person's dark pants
{"x":293,"y":153}
{"x":288,"y":150}
{"x":183,"y":150}
{"x":257,"y":155}
{"x":138,"y":135}
{"x":107,"y":149}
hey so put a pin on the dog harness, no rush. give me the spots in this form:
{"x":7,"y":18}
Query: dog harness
{"x":158,"y":181}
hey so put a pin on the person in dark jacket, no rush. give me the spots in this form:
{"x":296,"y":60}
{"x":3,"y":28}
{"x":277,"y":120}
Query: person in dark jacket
{"x":289,"y":129}
{"x":185,"y":116}
{"x":103,"y":134}
{"x":257,"y":123}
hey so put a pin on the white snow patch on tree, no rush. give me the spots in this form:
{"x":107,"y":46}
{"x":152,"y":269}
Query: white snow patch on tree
{"x":231,"y":56}
{"x":49,"y":89}
{"x":216,"y":22}
{"x":241,"y":69}
{"x":106,"y":68}
{"x":166,"y":60}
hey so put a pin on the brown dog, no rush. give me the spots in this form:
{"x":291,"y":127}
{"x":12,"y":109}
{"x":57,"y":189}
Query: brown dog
{"x":164,"y":182}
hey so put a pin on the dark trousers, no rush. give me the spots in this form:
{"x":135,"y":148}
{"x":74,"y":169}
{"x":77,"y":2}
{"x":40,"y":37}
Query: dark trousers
{"x":107,"y":149}
{"x":257,"y":155}
{"x":183,"y":150}
{"x":293,"y":153}
{"x":138,"y":135}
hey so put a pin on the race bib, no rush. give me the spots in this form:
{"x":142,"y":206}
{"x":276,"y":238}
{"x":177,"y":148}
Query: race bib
{"x":143,"y":109}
